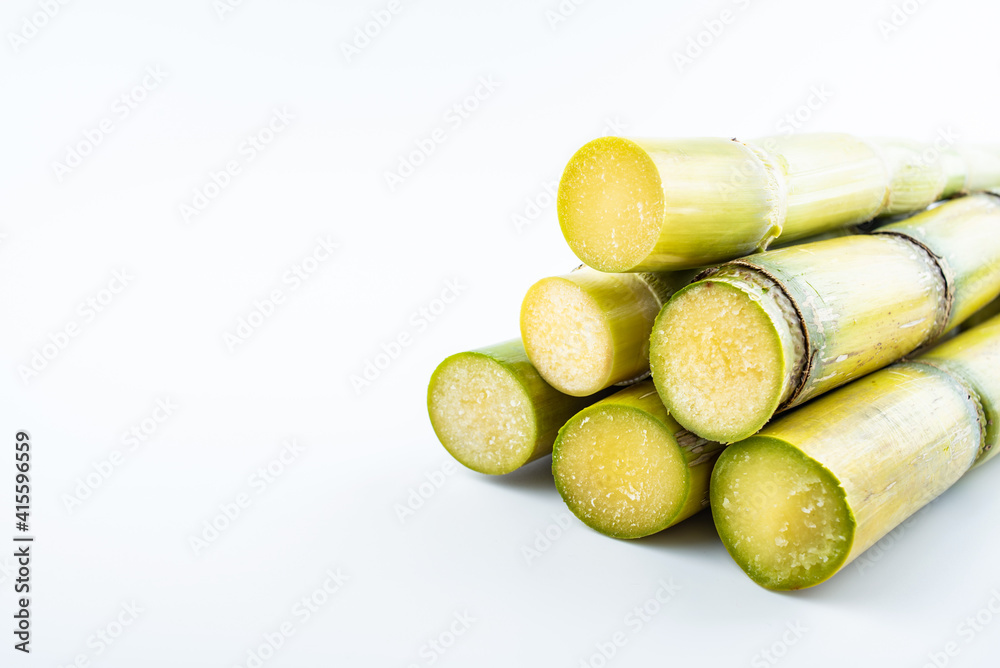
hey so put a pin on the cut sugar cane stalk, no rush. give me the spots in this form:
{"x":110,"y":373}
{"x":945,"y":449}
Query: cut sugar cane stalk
{"x":628,"y":470}
{"x":588,"y":330}
{"x":493,"y":412}
{"x":770,"y":331}
{"x":983,"y":314}
{"x":664,"y":204}
{"x":819,"y":486}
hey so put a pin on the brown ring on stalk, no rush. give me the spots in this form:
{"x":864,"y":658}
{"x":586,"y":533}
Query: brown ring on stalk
{"x":947,"y":278}
{"x":985,"y":446}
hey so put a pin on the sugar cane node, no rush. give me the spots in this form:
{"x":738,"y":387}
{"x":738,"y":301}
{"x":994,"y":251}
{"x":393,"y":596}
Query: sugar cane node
{"x":974,"y":397}
{"x":946,"y":273}
{"x":725,"y":351}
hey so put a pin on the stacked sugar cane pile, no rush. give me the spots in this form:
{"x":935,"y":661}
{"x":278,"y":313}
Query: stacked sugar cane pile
{"x":817,"y":361}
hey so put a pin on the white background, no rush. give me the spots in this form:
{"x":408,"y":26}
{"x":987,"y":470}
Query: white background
{"x":607,"y":67}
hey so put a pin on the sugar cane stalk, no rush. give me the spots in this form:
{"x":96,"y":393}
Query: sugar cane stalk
{"x":665,"y":204}
{"x":819,"y":486}
{"x":770,"y":331}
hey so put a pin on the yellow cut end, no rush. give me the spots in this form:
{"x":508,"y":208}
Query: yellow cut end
{"x":718,"y":361}
{"x":481,"y":413}
{"x":620,"y":471}
{"x":611,"y":204}
{"x":567,"y":336}
{"x":782,"y":516}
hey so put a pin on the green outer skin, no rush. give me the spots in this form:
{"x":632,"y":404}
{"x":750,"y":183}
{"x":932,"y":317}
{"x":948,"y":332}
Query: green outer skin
{"x":698,"y":453}
{"x":956,"y":171}
{"x":914,"y":181}
{"x":982,"y":315}
{"x":832,"y":180}
{"x":784,"y":343}
{"x":974,"y":356}
{"x":724,"y":199}
{"x":965,"y":233}
{"x":629,"y":303}
{"x":760,"y":576}
{"x":983,"y":165}
{"x":893,"y":440}
{"x":738,"y":214}
{"x":551,"y":407}
{"x":858,"y":297}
